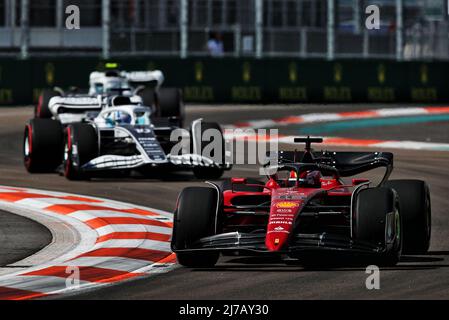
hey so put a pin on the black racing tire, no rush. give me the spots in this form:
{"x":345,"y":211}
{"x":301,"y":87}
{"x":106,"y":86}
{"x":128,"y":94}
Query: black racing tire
{"x":42,"y":110}
{"x":85,"y":137}
{"x":170,"y":104}
{"x":148,"y":96}
{"x":371,"y":208}
{"x":212,"y":173}
{"x":42,"y":145}
{"x":194,"y":220}
{"x":414,"y":198}
{"x":227,"y":185}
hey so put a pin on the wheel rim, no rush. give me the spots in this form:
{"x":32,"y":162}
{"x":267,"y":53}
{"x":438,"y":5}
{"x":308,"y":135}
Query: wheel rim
{"x":428,"y":217}
{"x":66,"y":159}
{"x":398,"y":228}
{"x":26,"y":146}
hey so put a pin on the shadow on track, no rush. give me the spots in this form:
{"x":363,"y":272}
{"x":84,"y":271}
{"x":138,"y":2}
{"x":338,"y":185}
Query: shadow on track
{"x":276,"y":264}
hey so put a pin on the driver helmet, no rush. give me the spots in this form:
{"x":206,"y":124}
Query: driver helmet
{"x":310,"y":178}
{"x":98,"y":88}
{"x":123,"y":118}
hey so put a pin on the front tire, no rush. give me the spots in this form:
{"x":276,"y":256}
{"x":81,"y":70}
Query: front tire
{"x":414,"y":198}
{"x":377,"y":220}
{"x":81,"y":146}
{"x":42,"y":145}
{"x":194,"y":220}
{"x":170,"y":104}
{"x":148,"y":96}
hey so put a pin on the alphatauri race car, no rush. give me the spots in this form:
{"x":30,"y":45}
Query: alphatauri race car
{"x":122,"y":137}
{"x":305,"y":209}
{"x":140,"y":86}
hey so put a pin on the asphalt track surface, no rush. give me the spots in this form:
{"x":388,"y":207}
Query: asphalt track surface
{"x":20,"y":237}
{"x":261,"y":278}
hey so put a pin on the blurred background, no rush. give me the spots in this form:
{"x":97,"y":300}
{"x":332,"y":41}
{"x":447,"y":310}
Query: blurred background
{"x":262,"y":50}
{"x":410,"y":29}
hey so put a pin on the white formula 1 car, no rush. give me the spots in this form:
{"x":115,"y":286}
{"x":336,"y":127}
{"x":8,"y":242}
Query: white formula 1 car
{"x":123,"y":136}
{"x":140,"y":86}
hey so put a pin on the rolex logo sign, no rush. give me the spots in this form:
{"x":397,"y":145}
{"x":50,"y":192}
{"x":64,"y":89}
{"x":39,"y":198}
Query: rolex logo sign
{"x":424,"y":74}
{"x":292,"y":72}
{"x":338,"y":73}
{"x":381,"y":74}
{"x":199,"y":71}
{"x":246,"y":76}
{"x":50,"y":73}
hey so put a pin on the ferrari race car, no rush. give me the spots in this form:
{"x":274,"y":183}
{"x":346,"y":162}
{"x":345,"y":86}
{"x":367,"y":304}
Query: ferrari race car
{"x":139,"y":86}
{"x":304,"y":209}
{"x":122,"y":137}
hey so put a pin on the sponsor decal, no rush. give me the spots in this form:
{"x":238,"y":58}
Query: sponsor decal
{"x":283,"y":210}
{"x":287,"y":204}
{"x":279,"y":228}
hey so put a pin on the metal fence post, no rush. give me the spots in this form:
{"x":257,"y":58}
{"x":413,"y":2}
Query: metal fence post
{"x":399,"y":30}
{"x":25,"y":30}
{"x":183,"y":25}
{"x":356,"y":16}
{"x":330,"y":29}
{"x":259,"y":27}
{"x":106,"y":21}
{"x":365,"y":43}
{"x":303,"y":49}
{"x":59,"y":19}
{"x":12,"y":21}
{"x":237,"y":40}
{"x":445,"y":30}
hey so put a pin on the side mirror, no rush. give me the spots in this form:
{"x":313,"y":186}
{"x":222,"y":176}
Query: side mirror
{"x":356,"y":182}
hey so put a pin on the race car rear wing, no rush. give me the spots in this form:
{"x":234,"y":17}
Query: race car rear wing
{"x":75,"y":102}
{"x":131,"y":76}
{"x":144,"y":76}
{"x":346,"y":163}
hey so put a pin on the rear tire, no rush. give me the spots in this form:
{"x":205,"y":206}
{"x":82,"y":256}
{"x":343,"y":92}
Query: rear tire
{"x":212,"y":173}
{"x":42,"y":145}
{"x":148,"y":96}
{"x":42,"y":109}
{"x":371,"y":209}
{"x":85,"y":138}
{"x":194,"y":220}
{"x":414,"y":198}
{"x":170,"y":104}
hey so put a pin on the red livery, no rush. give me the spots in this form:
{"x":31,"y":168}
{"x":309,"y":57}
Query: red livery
{"x":306,"y":205}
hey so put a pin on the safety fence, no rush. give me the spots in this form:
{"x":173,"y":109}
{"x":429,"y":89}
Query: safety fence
{"x":406,"y":29}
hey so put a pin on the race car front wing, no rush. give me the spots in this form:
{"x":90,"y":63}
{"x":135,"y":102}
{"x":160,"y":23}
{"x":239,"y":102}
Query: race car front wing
{"x":255,"y":242}
{"x":110,"y":162}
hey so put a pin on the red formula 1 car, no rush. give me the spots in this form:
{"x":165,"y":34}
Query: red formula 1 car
{"x":309,"y":210}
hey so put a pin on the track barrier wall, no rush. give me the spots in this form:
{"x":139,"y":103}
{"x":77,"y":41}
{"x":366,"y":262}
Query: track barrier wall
{"x":230,"y":80}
